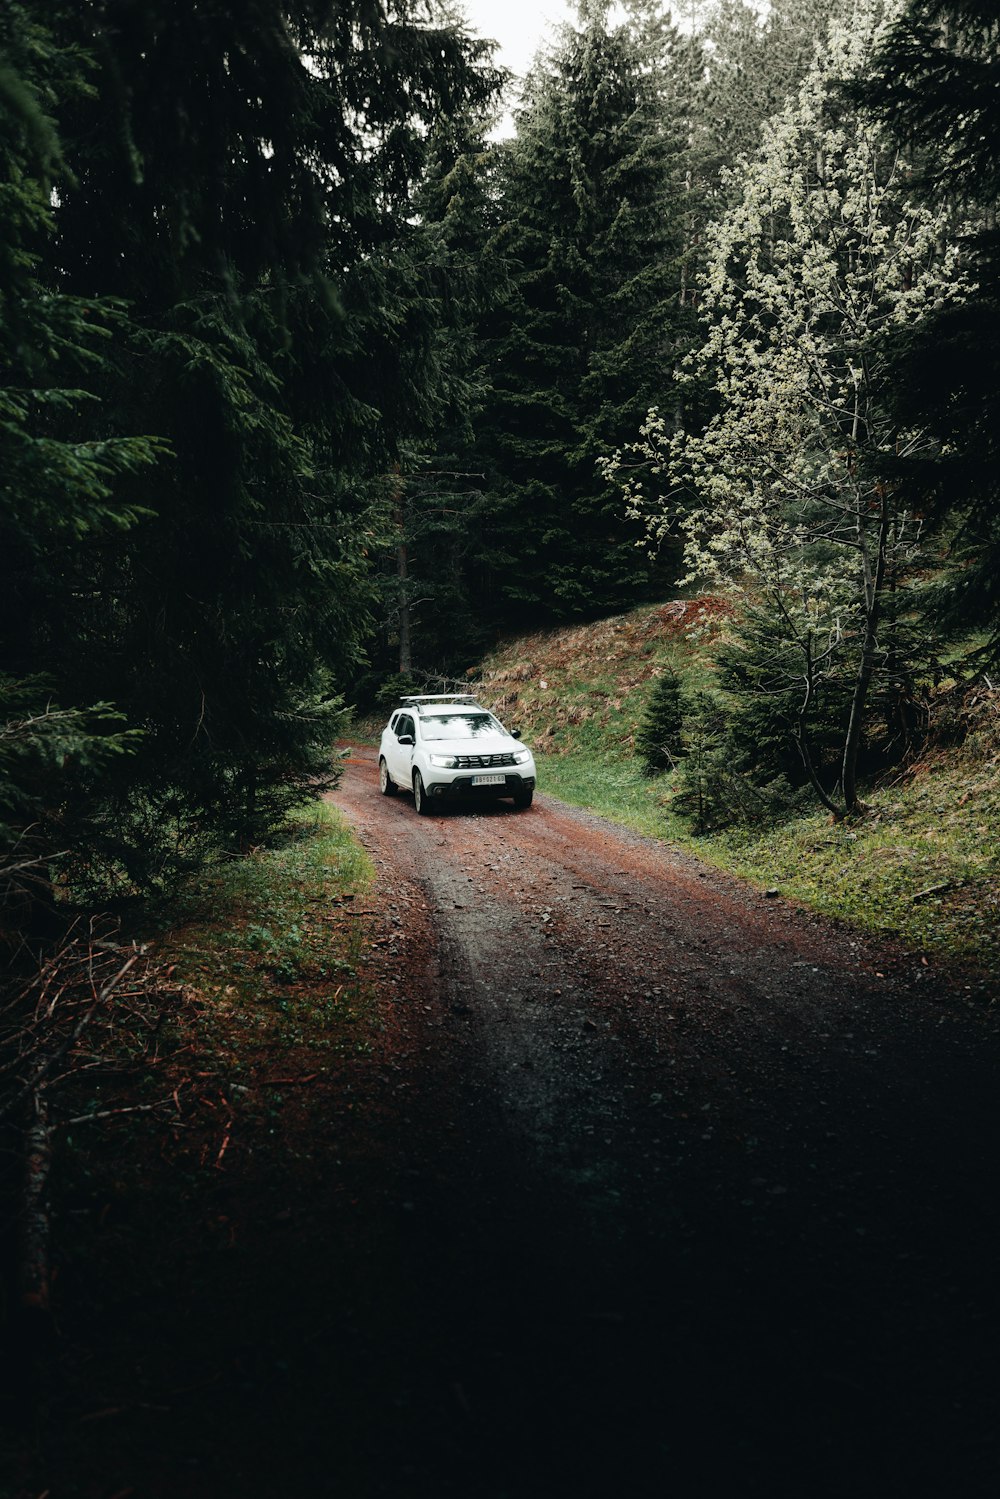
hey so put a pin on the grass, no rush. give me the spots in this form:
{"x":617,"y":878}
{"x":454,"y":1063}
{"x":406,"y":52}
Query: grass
{"x":613,"y":786}
{"x":922,"y":865}
{"x":260,"y":941}
{"x":583,"y":689}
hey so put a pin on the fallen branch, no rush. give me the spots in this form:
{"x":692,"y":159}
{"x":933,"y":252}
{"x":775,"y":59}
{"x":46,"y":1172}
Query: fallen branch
{"x":35,"y":1225}
{"x":933,"y":889}
{"x":135,"y":1108}
{"x":41,"y":1072}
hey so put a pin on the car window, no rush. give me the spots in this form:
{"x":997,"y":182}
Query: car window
{"x":459,"y":725}
{"x":394,"y":722}
{"x":404,"y":726}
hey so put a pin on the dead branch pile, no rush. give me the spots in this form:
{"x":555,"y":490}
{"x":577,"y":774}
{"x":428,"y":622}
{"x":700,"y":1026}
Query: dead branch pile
{"x":71,"y":1039}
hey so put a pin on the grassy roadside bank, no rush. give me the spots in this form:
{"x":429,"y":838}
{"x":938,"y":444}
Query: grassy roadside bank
{"x":260,"y":938}
{"x":915,"y":868}
{"x":200,"y":1122}
{"x":191,"y":1144}
{"x":263,"y":1009}
{"x":923,"y":865}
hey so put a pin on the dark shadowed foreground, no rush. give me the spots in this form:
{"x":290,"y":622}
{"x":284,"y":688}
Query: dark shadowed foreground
{"x":664,"y":1188}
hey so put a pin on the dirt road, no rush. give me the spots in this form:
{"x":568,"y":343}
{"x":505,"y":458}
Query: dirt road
{"x":694,"y":1192}
{"x":631,"y":1182}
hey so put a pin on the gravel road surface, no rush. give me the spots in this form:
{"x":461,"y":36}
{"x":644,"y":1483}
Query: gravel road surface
{"x":692,"y":1193}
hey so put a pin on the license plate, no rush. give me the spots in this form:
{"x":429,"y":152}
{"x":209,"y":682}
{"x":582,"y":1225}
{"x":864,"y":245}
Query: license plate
{"x":489,"y":780}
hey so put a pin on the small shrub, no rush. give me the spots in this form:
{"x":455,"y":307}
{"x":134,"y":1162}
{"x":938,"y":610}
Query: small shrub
{"x":701,"y":780}
{"x":659,"y":740}
{"x":711,"y":788}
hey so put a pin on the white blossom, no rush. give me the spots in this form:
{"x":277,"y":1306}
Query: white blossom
{"x":824,"y":253}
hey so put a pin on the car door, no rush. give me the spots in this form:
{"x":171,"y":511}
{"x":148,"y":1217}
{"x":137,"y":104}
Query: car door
{"x":402,"y":754}
{"x":388,"y":748}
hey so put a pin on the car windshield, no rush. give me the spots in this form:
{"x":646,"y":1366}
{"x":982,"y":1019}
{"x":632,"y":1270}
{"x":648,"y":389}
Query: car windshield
{"x":459,"y":726}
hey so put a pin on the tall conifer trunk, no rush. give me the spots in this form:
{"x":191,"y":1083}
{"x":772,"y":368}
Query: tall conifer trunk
{"x":403,"y":580}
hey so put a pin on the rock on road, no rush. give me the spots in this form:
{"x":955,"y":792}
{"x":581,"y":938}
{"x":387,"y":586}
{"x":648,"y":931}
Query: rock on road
{"x":695,"y":1189}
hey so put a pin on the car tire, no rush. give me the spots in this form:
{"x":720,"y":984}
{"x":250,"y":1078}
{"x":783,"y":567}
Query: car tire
{"x":522,"y":799}
{"x":420,"y":798}
{"x":386,"y":784}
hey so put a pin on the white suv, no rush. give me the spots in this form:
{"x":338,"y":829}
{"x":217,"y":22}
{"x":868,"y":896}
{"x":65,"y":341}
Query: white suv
{"x":452,"y":749}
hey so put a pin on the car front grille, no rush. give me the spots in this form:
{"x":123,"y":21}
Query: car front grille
{"x":483,"y":762}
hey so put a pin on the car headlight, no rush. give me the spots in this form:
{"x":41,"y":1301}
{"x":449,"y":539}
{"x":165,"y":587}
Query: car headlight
{"x":522,"y":756}
{"x":444,"y":762}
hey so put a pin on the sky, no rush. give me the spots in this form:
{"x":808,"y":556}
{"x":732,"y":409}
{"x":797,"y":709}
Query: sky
{"x":520,"y":26}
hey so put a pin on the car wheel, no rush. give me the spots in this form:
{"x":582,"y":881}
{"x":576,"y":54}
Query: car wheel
{"x":522,"y":799}
{"x":386,"y":784}
{"x":420,"y":798}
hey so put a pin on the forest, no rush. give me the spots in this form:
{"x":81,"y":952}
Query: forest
{"x":311,"y":388}
{"x":655,"y":395}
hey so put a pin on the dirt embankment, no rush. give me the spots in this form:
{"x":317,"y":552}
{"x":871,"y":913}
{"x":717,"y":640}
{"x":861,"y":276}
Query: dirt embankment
{"x":555,"y":680}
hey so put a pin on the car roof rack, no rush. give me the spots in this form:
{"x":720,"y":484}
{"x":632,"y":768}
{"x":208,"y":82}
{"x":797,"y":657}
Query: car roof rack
{"x":441,"y":697}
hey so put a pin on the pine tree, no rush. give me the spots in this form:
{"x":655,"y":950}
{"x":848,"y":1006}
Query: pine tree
{"x":243,"y":176}
{"x":755,"y":63}
{"x":933,"y":82}
{"x":739,"y":66}
{"x":591,"y":239}
{"x":431,"y":577}
{"x":658,"y":740}
{"x":68,"y":478}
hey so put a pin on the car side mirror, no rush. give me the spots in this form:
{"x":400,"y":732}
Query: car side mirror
{"x":515,"y":733}
{"x":405,"y":739}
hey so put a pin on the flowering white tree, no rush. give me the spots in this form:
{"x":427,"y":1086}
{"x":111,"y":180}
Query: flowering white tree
{"x":821,"y":258}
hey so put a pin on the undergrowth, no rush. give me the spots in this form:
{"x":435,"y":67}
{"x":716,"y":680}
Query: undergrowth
{"x":263,"y":940}
{"x":235,"y":1133}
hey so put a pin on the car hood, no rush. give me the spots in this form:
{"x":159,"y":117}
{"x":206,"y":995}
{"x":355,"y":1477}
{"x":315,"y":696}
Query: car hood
{"x":483,"y":744}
